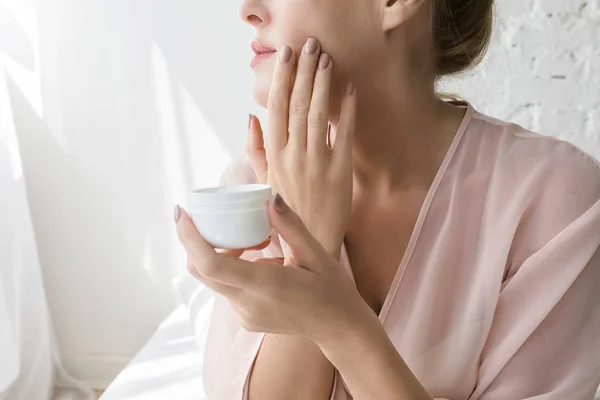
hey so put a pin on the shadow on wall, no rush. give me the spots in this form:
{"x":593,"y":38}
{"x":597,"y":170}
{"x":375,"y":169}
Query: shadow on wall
{"x":62,"y":220}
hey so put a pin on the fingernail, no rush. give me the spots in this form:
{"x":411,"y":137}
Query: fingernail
{"x":249,"y":121}
{"x":349,"y":89}
{"x":324,"y":61}
{"x":286,"y":54}
{"x":280,"y":204}
{"x":311,"y":46}
{"x":177,"y":213}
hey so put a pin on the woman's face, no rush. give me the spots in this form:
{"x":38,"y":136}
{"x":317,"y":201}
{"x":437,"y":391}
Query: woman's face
{"x":348,"y":30}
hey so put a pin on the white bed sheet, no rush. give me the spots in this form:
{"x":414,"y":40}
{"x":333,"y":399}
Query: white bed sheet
{"x":169,"y":366}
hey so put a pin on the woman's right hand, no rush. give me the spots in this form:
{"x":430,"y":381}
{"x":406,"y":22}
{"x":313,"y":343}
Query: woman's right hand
{"x":313,"y":178}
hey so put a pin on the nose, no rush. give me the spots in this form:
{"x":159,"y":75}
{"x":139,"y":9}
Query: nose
{"x":254,"y":13}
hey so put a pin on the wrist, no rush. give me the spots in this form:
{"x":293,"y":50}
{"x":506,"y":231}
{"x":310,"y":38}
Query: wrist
{"x":350,"y":333}
{"x":331,"y":242}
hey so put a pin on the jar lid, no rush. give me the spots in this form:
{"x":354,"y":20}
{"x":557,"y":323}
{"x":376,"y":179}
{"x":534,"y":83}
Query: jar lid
{"x":229,"y":194}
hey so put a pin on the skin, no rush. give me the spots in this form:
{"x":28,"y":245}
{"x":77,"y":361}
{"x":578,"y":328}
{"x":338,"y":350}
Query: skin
{"x":295,"y":298}
{"x":388,"y":138}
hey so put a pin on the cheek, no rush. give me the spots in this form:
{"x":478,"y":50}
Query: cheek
{"x":264,"y":79}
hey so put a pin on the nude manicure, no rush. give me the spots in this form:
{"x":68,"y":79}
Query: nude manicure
{"x":311,"y":46}
{"x":324,"y":61}
{"x":286,"y":54}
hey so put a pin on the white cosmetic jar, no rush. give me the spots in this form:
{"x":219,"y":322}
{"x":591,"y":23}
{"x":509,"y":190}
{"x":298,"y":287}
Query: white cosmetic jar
{"x":231,"y":217}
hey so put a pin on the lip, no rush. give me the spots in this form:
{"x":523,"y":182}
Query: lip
{"x":261,"y":51}
{"x":257,"y":59}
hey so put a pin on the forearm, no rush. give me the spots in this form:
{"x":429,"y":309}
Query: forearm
{"x":290,"y":367}
{"x":371,"y":366}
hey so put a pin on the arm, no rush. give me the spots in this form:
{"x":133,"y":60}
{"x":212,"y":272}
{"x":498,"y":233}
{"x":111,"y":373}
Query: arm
{"x":544,"y":340}
{"x":248,"y":365}
{"x":241,"y":364}
{"x":370,"y":364}
{"x":543,"y":349}
{"x":261,"y":366}
{"x":290,"y":367}
{"x":317,"y":180}
{"x":285,"y":367}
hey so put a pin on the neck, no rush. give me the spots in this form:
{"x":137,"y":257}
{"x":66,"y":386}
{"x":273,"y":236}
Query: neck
{"x":402,"y":132}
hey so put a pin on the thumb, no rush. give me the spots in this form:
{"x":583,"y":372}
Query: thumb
{"x":306,"y":250}
{"x":255,"y":148}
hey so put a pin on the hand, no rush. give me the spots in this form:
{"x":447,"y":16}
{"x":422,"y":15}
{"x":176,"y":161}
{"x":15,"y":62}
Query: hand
{"x":237,"y":253}
{"x":314,"y":298}
{"x":314,"y":179}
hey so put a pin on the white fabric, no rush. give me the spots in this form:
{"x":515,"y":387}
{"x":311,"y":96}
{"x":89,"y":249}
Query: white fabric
{"x":170,"y":364}
{"x":29,"y":363}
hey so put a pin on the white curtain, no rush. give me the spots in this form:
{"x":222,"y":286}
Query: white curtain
{"x":109,"y":115}
{"x":30,"y":367}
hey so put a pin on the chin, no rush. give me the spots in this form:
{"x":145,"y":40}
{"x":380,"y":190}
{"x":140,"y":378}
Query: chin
{"x":262,"y":83}
{"x":261,"y":94}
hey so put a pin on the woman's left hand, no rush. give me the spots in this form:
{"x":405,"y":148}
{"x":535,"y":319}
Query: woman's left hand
{"x":314,"y":297}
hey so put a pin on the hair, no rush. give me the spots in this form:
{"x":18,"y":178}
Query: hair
{"x":461,"y":31}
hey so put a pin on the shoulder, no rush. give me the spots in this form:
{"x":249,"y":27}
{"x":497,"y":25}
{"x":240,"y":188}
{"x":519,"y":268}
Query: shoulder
{"x":536,"y":186}
{"x":239,"y":172}
{"x":542,"y":168}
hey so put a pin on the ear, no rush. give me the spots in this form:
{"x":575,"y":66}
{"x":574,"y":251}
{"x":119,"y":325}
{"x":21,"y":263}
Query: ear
{"x":397,"y":12}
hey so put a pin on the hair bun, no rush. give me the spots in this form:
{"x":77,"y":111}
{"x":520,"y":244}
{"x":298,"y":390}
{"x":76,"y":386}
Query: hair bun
{"x":461,"y":32}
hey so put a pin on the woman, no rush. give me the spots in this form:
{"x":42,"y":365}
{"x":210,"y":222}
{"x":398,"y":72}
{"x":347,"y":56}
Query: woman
{"x":432,"y":252}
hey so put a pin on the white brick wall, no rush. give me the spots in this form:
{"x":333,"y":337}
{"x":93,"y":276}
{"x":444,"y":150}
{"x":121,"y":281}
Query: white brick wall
{"x":542,"y":70}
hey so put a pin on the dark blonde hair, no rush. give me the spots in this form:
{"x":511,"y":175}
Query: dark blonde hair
{"x":461,"y":31}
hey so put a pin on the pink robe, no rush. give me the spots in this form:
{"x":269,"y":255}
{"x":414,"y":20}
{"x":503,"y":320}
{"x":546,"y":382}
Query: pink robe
{"x":498,"y":294}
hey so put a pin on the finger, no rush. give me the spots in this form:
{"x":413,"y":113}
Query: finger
{"x":190,"y":238}
{"x":318,"y":114}
{"x":306,"y":250}
{"x":279,"y":99}
{"x":344,"y":133}
{"x":207,"y":262}
{"x":238,"y":252}
{"x":255,"y":148}
{"x":302,"y":93}
{"x":277,"y":260}
{"x":220,"y":288}
{"x":261,"y":246}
